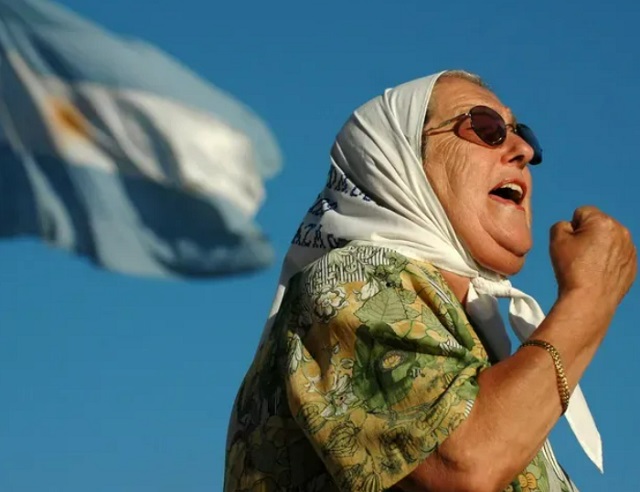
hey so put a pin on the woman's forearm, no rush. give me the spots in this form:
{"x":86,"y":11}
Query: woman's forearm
{"x":518,"y":403}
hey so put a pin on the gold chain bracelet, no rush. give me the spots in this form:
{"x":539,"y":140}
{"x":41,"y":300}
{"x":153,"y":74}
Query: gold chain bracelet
{"x":563,"y":384}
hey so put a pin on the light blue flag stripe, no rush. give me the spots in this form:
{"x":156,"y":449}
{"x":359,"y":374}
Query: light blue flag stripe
{"x":171,"y":215}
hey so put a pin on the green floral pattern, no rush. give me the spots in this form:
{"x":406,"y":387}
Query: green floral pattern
{"x":369,"y":366}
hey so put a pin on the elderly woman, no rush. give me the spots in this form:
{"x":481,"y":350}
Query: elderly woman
{"x":384,"y":364}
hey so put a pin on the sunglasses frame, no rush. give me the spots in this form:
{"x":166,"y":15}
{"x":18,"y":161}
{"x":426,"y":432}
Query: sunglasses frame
{"x":516,"y":128}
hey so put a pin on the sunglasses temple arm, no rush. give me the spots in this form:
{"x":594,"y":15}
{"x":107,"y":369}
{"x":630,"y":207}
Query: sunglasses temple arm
{"x":450,"y":120}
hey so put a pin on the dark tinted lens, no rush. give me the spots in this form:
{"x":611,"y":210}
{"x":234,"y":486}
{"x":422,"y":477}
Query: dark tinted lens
{"x":528,"y":136}
{"x":488,"y":125}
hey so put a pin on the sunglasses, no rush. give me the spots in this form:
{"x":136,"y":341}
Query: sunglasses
{"x":491,"y":128}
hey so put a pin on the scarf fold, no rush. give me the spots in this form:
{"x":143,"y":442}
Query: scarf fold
{"x":377,"y":193}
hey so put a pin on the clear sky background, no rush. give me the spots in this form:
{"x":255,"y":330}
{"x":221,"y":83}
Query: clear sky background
{"x":120,"y":384}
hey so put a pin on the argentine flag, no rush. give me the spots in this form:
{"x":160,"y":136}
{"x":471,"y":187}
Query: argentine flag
{"x":113,"y":150}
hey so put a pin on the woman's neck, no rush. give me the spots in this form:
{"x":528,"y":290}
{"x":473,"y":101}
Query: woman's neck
{"x":458,"y":284}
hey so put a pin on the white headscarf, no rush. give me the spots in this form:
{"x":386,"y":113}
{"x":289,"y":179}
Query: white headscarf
{"x":377,"y":193}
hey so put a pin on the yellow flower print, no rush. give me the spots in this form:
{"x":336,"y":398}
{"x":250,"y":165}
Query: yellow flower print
{"x":528,"y":482}
{"x":391,"y":360}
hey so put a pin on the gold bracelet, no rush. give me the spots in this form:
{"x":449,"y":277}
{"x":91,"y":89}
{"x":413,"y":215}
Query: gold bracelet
{"x":563,"y":384}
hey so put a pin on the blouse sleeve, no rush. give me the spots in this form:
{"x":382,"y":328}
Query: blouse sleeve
{"x":381,"y":368}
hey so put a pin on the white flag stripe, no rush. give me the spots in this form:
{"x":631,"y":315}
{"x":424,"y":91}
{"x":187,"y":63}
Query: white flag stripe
{"x":199,"y":147}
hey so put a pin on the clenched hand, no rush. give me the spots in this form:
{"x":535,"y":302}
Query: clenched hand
{"x":593,"y":254}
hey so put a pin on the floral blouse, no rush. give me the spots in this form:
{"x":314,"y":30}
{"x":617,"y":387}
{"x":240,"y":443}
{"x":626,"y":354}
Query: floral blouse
{"x":371,"y":364}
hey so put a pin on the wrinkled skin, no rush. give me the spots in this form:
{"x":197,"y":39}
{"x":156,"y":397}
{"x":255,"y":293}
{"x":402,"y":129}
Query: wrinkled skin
{"x":463,"y":170}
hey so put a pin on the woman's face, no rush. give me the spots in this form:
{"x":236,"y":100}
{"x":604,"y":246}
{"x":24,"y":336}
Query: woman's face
{"x":467,"y":175}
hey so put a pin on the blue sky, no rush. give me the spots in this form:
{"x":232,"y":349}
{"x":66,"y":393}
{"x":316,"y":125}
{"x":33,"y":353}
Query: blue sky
{"x":112,"y":383}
